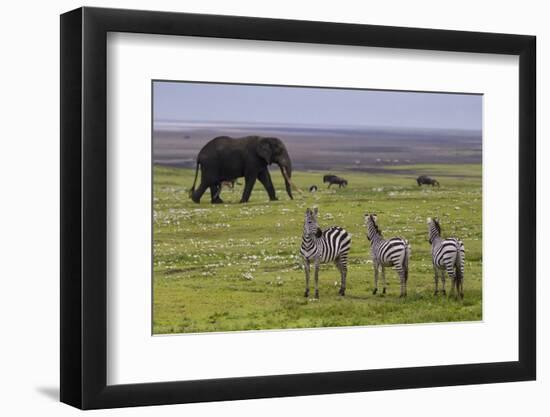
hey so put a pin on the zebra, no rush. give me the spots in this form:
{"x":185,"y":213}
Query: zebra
{"x":394,"y":252}
{"x":447,"y":255}
{"x":323,"y":246}
{"x":424,"y":179}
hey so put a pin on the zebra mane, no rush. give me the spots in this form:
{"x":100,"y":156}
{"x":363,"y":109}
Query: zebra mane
{"x":375,"y":226}
{"x":437,"y":226}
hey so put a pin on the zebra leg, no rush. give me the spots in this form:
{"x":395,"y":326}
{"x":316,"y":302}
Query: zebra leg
{"x":317,"y":278}
{"x":460,"y":274}
{"x":457,"y":294}
{"x":436,"y":281}
{"x":403,"y":280}
{"x":383,"y":280}
{"x":460,"y":269}
{"x":451,"y":271}
{"x":375,"y":278}
{"x":403,"y":290}
{"x":403,"y":283}
{"x":454,"y":287}
{"x":456,"y":284}
{"x":307,"y":270}
{"x":341,"y":264}
{"x":443,"y":291}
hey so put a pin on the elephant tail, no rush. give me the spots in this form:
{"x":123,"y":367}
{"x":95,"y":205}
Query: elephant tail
{"x":192,"y":190}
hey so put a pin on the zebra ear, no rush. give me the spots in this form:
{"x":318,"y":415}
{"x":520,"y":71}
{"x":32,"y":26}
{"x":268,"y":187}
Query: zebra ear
{"x":315,"y":210}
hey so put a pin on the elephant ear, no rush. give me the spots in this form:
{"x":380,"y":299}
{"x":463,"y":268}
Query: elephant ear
{"x":264,"y":150}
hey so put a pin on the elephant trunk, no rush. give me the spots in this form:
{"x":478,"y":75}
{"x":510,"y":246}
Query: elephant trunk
{"x":286,"y":170}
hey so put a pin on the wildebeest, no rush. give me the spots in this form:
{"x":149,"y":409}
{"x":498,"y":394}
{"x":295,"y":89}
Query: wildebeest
{"x":313,"y":189}
{"x":333,"y":179}
{"x":424,"y":179}
{"x":328,"y":177}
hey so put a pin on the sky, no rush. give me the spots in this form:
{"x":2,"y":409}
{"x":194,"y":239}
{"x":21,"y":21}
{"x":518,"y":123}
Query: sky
{"x":215,"y":103}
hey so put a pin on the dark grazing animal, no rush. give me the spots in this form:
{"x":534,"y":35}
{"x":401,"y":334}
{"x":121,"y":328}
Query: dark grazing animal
{"x":447,"y":256}
{"x":424,"y":179}
{"x":393,"y":252}
{"x":334,"y":179}
{"x":328,"y":177}
{"x":322,"y":246}
{"x":313,"y":189}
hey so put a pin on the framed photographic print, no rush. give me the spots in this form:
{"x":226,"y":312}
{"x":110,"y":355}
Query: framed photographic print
{"x":258,"y":207}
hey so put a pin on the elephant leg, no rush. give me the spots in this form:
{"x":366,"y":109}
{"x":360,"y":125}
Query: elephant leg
{"x":215,"y":191}
{"x":265,"y":179}
{"x":196,"y":197}
{"x":248,"y":185}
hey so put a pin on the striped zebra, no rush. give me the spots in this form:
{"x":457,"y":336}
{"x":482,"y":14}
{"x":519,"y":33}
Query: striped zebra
{"x":323,"y":246}
{"x":394,"y":252}
{"x":447,"y":255}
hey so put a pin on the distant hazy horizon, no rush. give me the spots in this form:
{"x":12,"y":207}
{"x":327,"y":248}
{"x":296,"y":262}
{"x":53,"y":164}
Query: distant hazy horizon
{"x":333,"y":107}
{"x":177,"y":125}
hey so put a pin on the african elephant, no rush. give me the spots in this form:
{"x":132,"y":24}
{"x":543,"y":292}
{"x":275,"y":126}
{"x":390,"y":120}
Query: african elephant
{"x":226,"y":159}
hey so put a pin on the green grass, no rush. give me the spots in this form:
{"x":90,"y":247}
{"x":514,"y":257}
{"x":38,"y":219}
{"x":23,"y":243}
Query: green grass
{"x":237,"y":266}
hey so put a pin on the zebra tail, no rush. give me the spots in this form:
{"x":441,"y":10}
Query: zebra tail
{"x":458,"y":262}
{"x":192,"y":190}
{"x":406,"y":259}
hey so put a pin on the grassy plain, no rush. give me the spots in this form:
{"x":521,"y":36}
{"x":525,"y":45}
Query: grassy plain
{"x":237,"y":266}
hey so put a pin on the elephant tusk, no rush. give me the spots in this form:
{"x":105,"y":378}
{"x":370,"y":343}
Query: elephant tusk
{"x":290,"y":182}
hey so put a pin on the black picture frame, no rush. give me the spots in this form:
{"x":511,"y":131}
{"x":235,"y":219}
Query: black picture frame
{"x":84,"y":207}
